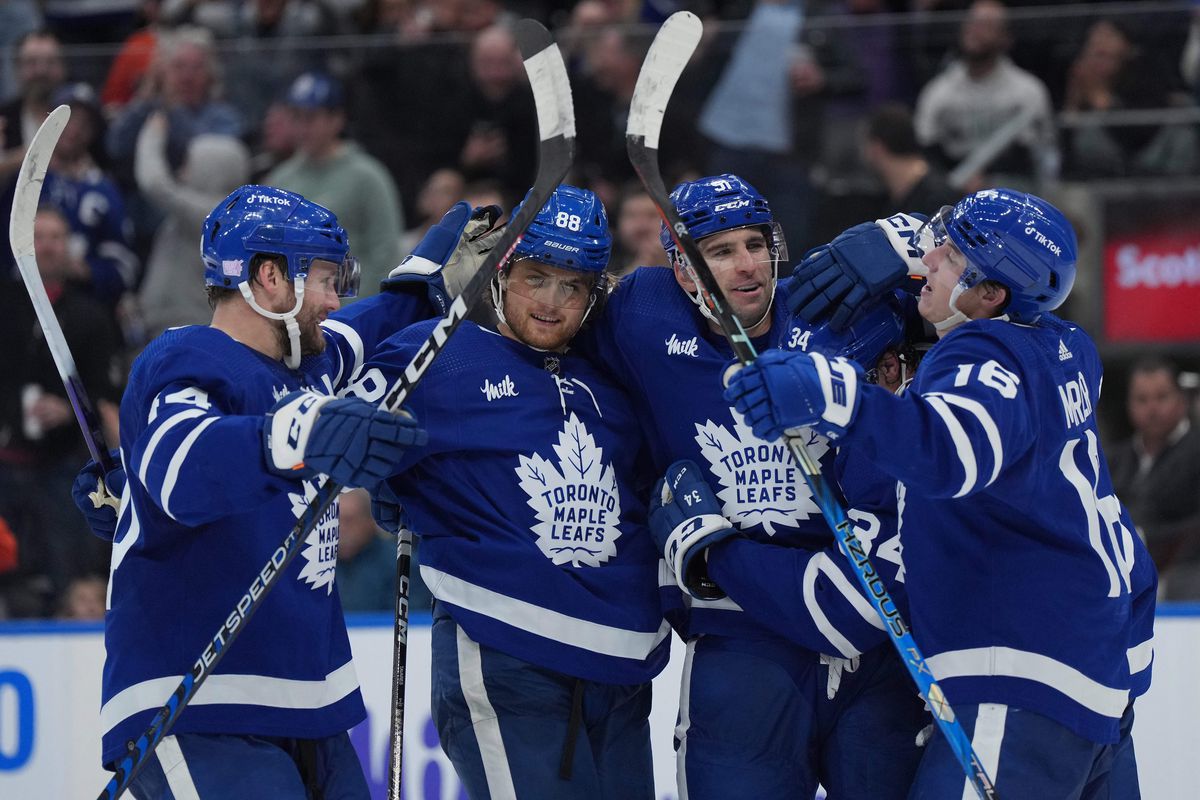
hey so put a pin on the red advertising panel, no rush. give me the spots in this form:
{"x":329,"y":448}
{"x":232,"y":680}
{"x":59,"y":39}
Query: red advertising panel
{"x":1152,"y":283}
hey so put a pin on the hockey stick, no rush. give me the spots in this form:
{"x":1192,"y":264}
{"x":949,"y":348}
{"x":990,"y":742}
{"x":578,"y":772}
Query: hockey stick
{"x":664,"y":63}
{"x":556,"y":128}
{"x":556,"y":150}
{"x":20,"y":234}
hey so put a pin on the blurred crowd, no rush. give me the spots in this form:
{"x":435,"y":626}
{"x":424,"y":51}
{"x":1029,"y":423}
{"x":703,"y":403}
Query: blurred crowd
{"x":389,"y":111}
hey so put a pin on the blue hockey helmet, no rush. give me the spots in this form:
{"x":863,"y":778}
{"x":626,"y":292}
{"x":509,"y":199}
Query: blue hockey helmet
{"x":1016,"y":239}
{"x":720,"y":203}
{"x":570,"y":231}
{"x":256,"y":220}
{"x":866,"y":339}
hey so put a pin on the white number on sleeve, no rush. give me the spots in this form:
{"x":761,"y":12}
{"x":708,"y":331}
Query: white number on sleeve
{"x":991,"y":375}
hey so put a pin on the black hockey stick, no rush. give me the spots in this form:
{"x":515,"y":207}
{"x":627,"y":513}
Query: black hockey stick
{"x":556,"y":150}
{"x":556,"y":128}
{"x":20,"y":234}
{"x":664,"y":63}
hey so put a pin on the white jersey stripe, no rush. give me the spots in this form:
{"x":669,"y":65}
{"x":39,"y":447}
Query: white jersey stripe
{"x":172,"y":476}
{"x":354,"y":342}
{"x":175,"y":768}
{"x":986,"y":742}
{"x":1011,"y":663}
{"x":484,"y":723}
{"x":167,"y":424}
{"x":250,"y":690}
{"x":851,"y":592}
{"x":544,"y":622}
{"x":985,"y":421}
{"x":962,"y":443}
{"x":685,"y":719}
{"x":1140,"y":656}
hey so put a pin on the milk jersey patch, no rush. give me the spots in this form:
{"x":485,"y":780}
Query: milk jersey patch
{"x":575,"y":497}
{"x":761,"y":485}
{"x":321,"y":546}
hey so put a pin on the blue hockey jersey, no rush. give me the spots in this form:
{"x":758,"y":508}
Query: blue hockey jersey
{"x":200,"y":516}
{"x":1026,"y":581}
{"x":655,"y":339}
{"x":100,"y":229}
{"x":529,"y":505}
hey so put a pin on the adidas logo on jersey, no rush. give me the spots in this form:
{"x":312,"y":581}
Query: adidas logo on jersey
{"x":682,"y":347}
{"x":494,"y":391}
{"x":1063,"y":353}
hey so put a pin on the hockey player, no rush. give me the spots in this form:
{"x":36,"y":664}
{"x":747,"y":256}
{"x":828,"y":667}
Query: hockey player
{"x":547,"y":625}
{"x":774,"y":699}
{"x":1030,"y":594}
{"x":225,"y":432}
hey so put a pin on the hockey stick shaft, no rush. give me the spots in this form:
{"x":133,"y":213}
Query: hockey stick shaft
{"x":556,"y":124}
{"x":556,"y":128}
{"x":20,"y":233}
{"x":670,"y":52}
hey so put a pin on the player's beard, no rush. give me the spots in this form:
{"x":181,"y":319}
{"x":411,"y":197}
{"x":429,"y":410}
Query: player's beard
{"x":312,"y":339}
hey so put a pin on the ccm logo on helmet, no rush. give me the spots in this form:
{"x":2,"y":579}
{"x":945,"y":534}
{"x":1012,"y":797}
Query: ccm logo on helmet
{"x":732,"y":204}
{"x":1043,"y":241}
{"x":266,"y":198}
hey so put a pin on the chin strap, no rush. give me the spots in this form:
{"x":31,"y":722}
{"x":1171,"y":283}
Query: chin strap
{"x":291,"y":358}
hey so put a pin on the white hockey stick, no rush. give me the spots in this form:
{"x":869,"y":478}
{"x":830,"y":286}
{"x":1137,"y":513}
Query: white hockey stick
{"x":669,"y":54}
{"x":20,"y":235}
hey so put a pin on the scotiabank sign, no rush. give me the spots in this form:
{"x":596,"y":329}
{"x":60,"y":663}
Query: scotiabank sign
{"x":1152,"y":286}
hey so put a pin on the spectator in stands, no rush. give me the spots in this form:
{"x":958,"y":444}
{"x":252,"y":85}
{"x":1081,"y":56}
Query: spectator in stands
{"x":101,"y":233}
{"x":17,"y":19}
{"x":1189,"y":61}
{"x":981,"y":96}
{"x":171,"y":295}
{"x":497,"y":133}
{"x":1156,"y":473}
{"x":636,"y":243}
{"x":84,"y":598}
{"x":183,"y":81}
{"x":40,"y":444}
{"x":276,"y":140}
{"x":442,"y":190}
{"x":1110,"y":73}
{"x":132,"y":61}
{"x":603,"y":84}
{"x":40,"y":71}
{"x":337,"y":173}
{"x":891,"y":151}
{"x":366,"y":561}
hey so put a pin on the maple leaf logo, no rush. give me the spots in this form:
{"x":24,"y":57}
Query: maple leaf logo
{"x":761,"y":484}
{"x":576,"y":500}
{"x":321,"y":546}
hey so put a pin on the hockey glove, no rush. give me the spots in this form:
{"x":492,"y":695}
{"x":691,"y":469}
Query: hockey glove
{"x":864,"y":263}
{"x":99,"y":503}
{"x":439,"y":257}
{"x":352,"y":441}
{"x":782,"y":391}
{"x":685,"y":520}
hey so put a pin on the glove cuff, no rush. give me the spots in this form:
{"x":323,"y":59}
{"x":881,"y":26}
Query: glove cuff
{"x":288,"y":427}
{"x":684,"y":536}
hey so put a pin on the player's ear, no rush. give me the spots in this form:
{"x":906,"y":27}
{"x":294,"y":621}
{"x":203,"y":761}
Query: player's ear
{"x":683,"y":280}
{"x":994,"y":296}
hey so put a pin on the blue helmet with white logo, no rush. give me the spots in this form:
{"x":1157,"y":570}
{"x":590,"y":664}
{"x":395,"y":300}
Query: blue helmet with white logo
{"x":255,"y":220}
{"x":570,"y":231}
{"x":1018,"y":240}
{"x":716,"y":204}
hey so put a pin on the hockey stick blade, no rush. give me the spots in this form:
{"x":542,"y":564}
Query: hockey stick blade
{"x":557,"y":147}
{"x":20,"y":234}
{"x":665,"y":61}
{"x":556,"y":150}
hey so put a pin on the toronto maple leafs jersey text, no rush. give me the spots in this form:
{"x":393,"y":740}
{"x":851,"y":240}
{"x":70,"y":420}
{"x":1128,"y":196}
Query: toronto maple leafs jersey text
{"x":1027,"y":583}
{"x":201,"y":515}
{"x":653,"y":337}
{"x":530,"y":511}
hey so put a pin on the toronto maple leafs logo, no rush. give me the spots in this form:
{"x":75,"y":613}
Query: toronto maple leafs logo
{"x":321,"y":546}
{"x":761,"y":484}
{"x":576,"y":500}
